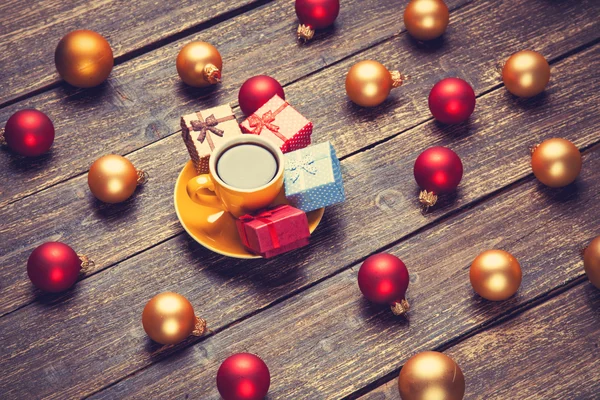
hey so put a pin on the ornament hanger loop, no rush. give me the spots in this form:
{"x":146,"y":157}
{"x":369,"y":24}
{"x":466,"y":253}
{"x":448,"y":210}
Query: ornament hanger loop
{"x":199,"y":327}
{"x":398,"y":79}
{"x":142,"y":176}
{"x":400,"y":308}
{"x":305,"y":33}
{"x":533,"y":148}
{"x":427,"y":199}
{"x":86,"y":263}
{"x":212,"y":74}
{"x":499,"y":66}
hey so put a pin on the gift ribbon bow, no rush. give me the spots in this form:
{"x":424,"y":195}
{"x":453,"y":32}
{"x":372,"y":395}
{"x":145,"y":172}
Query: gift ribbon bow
{"x":264,"y":217}
{"x":307,"y":163}
{"x":203,"y":126}
{"x":258,"y":123}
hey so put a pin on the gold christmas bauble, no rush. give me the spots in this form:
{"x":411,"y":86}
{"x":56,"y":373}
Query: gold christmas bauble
{"x":431,"y":375}
{"x":526,"y":73}
{"x":113,"y":179}
{"x":591,"y":261}
{"x":556,"y":162}
{"x":84,"y":58}
{"x":368,"y":83}
{"x":426,"y":19}
{"x":199,"y":64}
{"x":495,"y":275}
{"x":168,"y":318}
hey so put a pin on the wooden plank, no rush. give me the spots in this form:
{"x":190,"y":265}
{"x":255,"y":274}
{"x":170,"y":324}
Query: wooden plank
{"x":145,"y":99}
{"x":104,"y":309}
{"x":328,"y":342}
{"x":492,"y":156}
{"x":30,"y":31}
{"x":548,"y":352}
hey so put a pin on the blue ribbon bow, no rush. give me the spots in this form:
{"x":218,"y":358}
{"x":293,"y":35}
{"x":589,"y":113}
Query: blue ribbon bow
{"x":306,"y":163}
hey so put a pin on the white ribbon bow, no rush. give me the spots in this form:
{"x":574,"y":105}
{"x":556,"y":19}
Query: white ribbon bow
{"x":306,"y":163}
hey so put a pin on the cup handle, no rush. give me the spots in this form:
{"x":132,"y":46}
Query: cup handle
{"x":201,"y":189}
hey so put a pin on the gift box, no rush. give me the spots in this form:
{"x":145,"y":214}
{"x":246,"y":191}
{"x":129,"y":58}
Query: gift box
{"x":279,"y":122}
{"x":313,"y":178}
{"x":205,"y":130}
{"x":275,"y":231}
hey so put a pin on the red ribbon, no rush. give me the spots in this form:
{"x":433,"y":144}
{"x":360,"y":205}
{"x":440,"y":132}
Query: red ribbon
{"x":263,"y":216}
{"x":258,"y":123}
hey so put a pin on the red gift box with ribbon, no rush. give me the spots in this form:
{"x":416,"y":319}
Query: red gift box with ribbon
{"x":274,"y":231}
{"x":279,"y":122}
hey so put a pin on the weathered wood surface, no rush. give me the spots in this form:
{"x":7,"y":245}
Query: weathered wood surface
{"x":302,"y":312}
{"x":492,"y":154}
{"x":328,"y":341}
{"x":144,"y":98}
{"x":30,"y":31}
{"x":548,"y":352}
{"x":105,"y":308}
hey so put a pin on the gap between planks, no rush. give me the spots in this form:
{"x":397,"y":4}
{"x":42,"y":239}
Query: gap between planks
{"x":499,"y":319}
{"x":370,"y":146}
{"x":123,"y":58}
{"x":494,"y":322}
{"x":415,"y":232}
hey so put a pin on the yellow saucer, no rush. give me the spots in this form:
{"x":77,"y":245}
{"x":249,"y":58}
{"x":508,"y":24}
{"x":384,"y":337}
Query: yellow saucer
{"x":214,"y":228}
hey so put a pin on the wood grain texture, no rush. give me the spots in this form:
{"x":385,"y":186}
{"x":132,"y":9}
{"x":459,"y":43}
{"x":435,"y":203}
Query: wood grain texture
{"x":548,"y":352}
{"x":30,"y":31}
{"x":144,"y":99}
{"x":105,"y":308}
{"x":493,"y":156}
{"x":328,"y":341}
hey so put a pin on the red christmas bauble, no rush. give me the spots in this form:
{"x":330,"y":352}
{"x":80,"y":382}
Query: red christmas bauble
{"x":438,"y":170}
{"x":383,"y":279}
{"x":317,"y":14}
{"x":29,"y":133}
{"x":53,"y":267}
{"x":256,"y":91}
{"x":243,"y":376}
{"x":451,"y":101}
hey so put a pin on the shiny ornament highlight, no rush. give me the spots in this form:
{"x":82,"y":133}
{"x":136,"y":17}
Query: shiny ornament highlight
{"x":452,"y":101}
{"x":368,"y":83}
{"x":591,"y":261}
{"x":426,"y":19}
{"x":315,"y":14}
{"x":556,"y":162}
{"x":256,"y":91}
{"x":83,"y":58}
{"x":437,"y":170}
{"x":28,"y":132}
{"x":199,"y":64}
{"x":431,"y":375}
{"x":526,"y":73}
{"x":168,"y":318}
{"x":495,"y":275}
{"x":113,"y":179}
{"x":243,"y":376}
{"x":54,"y":266}
{"x":383,"y":279}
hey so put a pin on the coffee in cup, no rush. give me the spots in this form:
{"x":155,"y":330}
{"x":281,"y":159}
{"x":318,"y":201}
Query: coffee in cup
{"x":247,"y":166}
{"x":245,"y":175}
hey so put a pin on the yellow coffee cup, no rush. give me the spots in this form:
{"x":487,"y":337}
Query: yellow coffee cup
{"x":211,"y":191}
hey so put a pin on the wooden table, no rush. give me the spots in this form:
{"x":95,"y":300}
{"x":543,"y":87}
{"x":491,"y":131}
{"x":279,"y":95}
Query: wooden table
{"x":303,"y":312}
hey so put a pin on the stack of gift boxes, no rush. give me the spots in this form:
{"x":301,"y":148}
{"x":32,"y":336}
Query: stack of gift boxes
{"x":312,"y":177}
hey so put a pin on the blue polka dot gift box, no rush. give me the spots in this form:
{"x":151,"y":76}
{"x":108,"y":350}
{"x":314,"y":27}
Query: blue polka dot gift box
{"x":313,"y":178}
